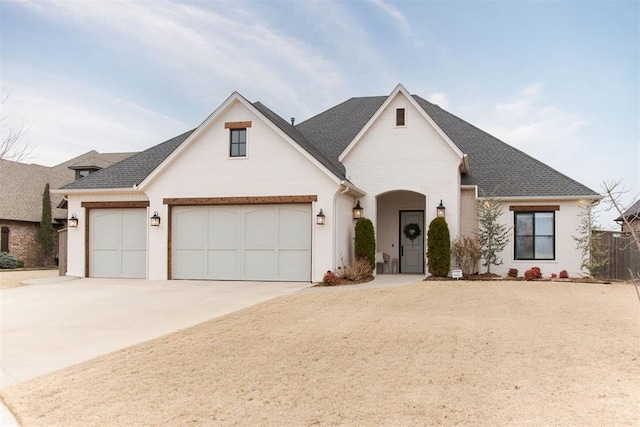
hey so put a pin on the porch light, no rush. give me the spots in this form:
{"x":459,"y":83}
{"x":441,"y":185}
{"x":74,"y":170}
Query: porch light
{"x":357,"y":211}
{"x":440,"y":209}
{"x":73,"y":221}
{"x":155,"y":219}
{"x":320,"y":219}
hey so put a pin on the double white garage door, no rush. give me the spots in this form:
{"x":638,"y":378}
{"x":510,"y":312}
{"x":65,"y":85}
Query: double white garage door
{"x":248,"y":242}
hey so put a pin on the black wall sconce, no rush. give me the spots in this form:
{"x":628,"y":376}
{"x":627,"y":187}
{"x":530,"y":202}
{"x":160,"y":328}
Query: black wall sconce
{"x":155,"y":219}
{"x":73,"y":221}
{"x":357,"y":211}
{"x":440,"y":210}
{"x":320,"y":218}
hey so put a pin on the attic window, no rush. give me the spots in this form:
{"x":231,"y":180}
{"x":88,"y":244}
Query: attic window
{"x":400,"y":117}
{"x":238,"y":143}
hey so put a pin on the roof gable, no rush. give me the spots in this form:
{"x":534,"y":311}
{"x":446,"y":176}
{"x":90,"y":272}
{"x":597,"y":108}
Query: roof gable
{"x":399,"y":90}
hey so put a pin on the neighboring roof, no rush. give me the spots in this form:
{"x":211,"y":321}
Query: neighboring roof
{"x":497,"y":168}
{"x":22,"y":185}
{"x":631,"y":214}
{"x":95,"y":160}
{"x":132,"y":170}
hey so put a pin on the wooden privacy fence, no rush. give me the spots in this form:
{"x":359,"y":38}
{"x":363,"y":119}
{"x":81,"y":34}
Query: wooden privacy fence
{"x":622,"y":255}
{"x":62,"y":252}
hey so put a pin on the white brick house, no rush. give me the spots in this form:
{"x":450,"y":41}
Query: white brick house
{"x":238,"y":196}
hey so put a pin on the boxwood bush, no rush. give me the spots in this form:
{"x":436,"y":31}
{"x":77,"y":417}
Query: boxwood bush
{"x":8,"y":260}
{"x":365,"y":241}
{"x":439,"y":248}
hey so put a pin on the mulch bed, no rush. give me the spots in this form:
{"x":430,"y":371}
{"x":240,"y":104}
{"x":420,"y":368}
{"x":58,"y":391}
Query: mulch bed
{"x":344,"y":282}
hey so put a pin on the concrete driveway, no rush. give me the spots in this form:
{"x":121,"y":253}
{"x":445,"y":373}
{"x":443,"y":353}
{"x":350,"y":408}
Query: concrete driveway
{"x":50,"y":326}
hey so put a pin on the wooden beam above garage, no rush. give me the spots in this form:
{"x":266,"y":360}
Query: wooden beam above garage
{"x":257,"y":200}
{"x":110,"y":205}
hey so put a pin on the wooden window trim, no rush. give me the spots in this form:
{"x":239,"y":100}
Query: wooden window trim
{"x":237,"y":125}
{"x":115,"y":205}
{"x":257,"y":200}
{"x":541,"y":208}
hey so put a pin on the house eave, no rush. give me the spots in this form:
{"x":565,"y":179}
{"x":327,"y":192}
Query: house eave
{"x":529,"y":198}
{"x":94,"y":190}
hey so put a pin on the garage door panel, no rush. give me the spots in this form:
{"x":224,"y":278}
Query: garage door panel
{"x":105,"y":263}
{"x":260,"y":228}
{"x":134,"y":263}
{"x":244,"y":242}
{"x":223,"y":229}
{"x":189,"y":226}
{"x":189,"y":264}
{"x":105,"y":230}
{"x":118,"y":243}
{"x":294,"y":265}
{"x":259,"y":264}
{"x":223,"y":263}
{"x":134,"y":231}
{"x":290,"y":222}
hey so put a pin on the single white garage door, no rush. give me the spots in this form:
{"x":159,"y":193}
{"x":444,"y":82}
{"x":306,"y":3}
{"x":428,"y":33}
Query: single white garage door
{"x":248,"y":242}
{"x":118,"y":243}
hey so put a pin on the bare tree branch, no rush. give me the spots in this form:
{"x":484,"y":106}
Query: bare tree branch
{"x":12,"y":144}
{"x":614,"y":191}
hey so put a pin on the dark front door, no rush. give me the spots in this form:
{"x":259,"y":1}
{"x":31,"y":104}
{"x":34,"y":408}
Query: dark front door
{"x":412,"y":235}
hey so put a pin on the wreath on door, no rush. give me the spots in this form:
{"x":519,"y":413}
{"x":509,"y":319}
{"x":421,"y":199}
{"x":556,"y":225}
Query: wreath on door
{"x":412,"y":231}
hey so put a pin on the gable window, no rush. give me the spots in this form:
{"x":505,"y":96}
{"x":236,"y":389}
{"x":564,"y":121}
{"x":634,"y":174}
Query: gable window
{"x":535,"y":235}
{"x":400,"y":117}
{"x":238,"y":143}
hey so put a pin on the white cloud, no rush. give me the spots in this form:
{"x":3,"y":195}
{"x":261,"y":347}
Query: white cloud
{"x":440,"y":99}
{"x":395,"y":15}
{"x":64,"y":121}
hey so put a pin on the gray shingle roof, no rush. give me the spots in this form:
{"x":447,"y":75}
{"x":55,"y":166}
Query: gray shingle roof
{"x":632,"y":213}
{"x":495,"y":167}
{"x":22,"y":184}
{"x":131,"y":171}
{"x":292,"y":132}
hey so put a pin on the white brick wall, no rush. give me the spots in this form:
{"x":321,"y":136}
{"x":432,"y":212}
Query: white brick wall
{"x":414,"y":158}
{"x":272,"y":168}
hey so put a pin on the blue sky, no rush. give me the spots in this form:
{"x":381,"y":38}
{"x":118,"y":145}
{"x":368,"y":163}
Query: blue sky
{"x":556,"y":79}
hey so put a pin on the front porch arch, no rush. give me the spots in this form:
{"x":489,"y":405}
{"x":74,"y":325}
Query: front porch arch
{"x":389,"y":239}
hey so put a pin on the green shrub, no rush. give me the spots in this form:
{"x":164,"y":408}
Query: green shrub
{"x":439,"y":248}
{"x":8,"y":260}
{"x":365,"y":241}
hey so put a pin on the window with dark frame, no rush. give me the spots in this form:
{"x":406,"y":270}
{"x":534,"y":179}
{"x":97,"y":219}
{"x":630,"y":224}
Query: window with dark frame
{"x":534,"y":235}
{"x":399,"y":116}
{"x":238,"y":143}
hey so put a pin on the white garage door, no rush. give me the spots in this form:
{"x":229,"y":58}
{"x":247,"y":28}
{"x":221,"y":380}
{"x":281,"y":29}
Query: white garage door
{"x":118,"y":243}
{"x":248,"y":242}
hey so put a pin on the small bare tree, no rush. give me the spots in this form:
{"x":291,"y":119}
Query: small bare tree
{"x":613,"y":193}
{"x":588,"y":241}
{"x":12,"y":144}
{"x":493,"y":236}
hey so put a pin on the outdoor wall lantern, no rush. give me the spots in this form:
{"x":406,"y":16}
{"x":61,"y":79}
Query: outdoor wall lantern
{"x":357,"y":211}
{"x":73,"y":221}
{"x":440,"y":209}
{"x":155,"y":219}
{"x":320,"y":219}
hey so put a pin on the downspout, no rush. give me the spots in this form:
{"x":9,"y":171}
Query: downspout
{"x":341,"y":190}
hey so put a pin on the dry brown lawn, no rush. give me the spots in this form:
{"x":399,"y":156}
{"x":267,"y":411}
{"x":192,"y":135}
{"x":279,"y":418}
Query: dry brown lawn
{"x":471,"y":353}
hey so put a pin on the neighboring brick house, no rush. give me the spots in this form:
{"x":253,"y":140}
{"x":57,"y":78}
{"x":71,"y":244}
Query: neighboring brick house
{"x":21,"y":187}
{"x":633,"y":217}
